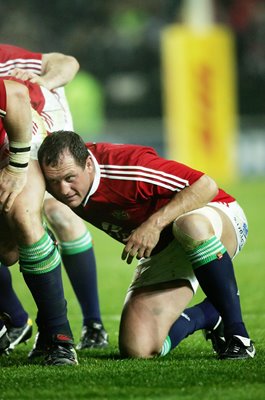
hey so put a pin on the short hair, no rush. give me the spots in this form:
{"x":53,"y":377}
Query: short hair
{"x":55,"y":144}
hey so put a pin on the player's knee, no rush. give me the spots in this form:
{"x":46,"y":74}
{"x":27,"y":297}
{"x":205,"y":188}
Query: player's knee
{"x":23,"y":218}
{"x":135,"y":343}
{"x":56,"y":215}
{"x":137,"y":349}
{"x":66,"y":224}
{"x":192,"y":230}
{"x":139,"y":336}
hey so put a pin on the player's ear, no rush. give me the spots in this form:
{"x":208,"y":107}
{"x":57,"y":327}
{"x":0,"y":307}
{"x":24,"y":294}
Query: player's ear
{"x":89,"y":164}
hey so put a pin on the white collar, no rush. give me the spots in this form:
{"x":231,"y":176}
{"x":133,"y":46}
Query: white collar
{"x":96,"y":180}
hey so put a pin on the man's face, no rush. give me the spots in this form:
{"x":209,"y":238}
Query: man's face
{"x":68,"y":182}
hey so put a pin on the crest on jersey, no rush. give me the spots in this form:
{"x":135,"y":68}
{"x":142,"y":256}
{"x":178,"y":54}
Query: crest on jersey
{"x":120,"y":214}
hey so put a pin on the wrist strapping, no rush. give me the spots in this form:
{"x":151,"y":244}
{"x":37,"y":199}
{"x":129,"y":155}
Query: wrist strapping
{"x":19,"y":155}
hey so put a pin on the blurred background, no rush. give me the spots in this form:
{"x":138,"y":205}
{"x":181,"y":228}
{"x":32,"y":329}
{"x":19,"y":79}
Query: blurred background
{"x":122,"y":93}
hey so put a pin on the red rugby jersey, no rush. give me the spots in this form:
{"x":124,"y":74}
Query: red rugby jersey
{"x":16,"y":57}
{"x":134,"y":183}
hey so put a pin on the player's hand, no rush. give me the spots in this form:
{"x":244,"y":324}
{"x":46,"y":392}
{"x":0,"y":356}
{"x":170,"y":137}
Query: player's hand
{"x":22,"y":74}
{"x":28,"y":76}
{"x":11,"y":184}
{"x":141,"y":242}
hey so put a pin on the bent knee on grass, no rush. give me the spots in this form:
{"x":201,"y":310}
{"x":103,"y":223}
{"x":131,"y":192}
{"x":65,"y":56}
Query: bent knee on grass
{"x":140,"y":347}
{"x":141,"y":334}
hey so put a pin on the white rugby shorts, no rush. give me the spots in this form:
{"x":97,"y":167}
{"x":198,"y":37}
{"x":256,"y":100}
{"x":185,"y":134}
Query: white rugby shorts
{"x":172,"y":264}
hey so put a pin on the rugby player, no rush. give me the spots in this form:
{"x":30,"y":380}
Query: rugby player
{"x":174,"y":219}
{"x":23,"y":237}
{"x":52,"y":71}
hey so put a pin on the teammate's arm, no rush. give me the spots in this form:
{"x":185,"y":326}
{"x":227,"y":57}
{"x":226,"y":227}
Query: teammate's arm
{"x":17,"y":124}
{"x":57,"y":70}
{"x":143,"y":239}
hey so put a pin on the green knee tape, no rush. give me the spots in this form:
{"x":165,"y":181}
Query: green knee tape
{"x":79,"y":245}
{"x":40,"y":257}
{"x":209,"y":250}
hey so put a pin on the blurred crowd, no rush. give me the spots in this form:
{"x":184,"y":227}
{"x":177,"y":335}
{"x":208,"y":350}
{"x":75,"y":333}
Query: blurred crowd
{"x":118,"y":43}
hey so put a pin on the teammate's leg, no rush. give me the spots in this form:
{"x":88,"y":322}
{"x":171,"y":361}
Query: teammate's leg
{"x":79,"y":261}
{"x":16,"y":319}
{"x":40,"y":262}
{"x":9,"y":302}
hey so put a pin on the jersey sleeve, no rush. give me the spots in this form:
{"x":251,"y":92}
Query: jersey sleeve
{"x":141,"y":174}
{"x":16,"y":57}
{"x":166,"y":176}
{"x":160,"y":177}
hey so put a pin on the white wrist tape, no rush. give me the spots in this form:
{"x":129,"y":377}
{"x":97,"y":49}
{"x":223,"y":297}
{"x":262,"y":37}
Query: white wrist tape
{"x":19,"y":154}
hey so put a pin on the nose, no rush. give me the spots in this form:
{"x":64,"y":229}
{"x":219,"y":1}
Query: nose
{"x":64,"y":188}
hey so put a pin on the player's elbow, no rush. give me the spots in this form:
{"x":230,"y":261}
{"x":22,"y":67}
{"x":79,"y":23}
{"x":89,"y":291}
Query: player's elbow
{"x":74,"y":63}
{"x":49,"y":60}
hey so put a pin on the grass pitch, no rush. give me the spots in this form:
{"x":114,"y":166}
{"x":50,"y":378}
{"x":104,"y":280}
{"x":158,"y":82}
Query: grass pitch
{"x":189,"y":372}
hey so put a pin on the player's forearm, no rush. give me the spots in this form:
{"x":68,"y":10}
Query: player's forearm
{"x":58,"y":69}
{"x":195,"y":196}
{"x":18,"y":120}
{"x":18,"y":124}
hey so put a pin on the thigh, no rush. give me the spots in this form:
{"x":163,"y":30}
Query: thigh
{"x":235,"y":226}
{"x":23,"y":224}
{"x":25,"y":217}
{"x":148,"y":314}
{"x":227,"y":235}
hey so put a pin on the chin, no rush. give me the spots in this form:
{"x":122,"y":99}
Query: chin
{"x":74,"y":203}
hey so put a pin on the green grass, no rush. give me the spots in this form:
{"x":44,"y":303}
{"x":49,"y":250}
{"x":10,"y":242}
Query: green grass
{"x":189,"y":372}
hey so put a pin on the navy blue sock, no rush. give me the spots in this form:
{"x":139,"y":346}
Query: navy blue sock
{"x":81,"y":270}
{"x":40,"y":264}
{"x":9,"y":302}
{"x":200,"y":316}
{"x":217,"y":280}
{"x":47,"y":291}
